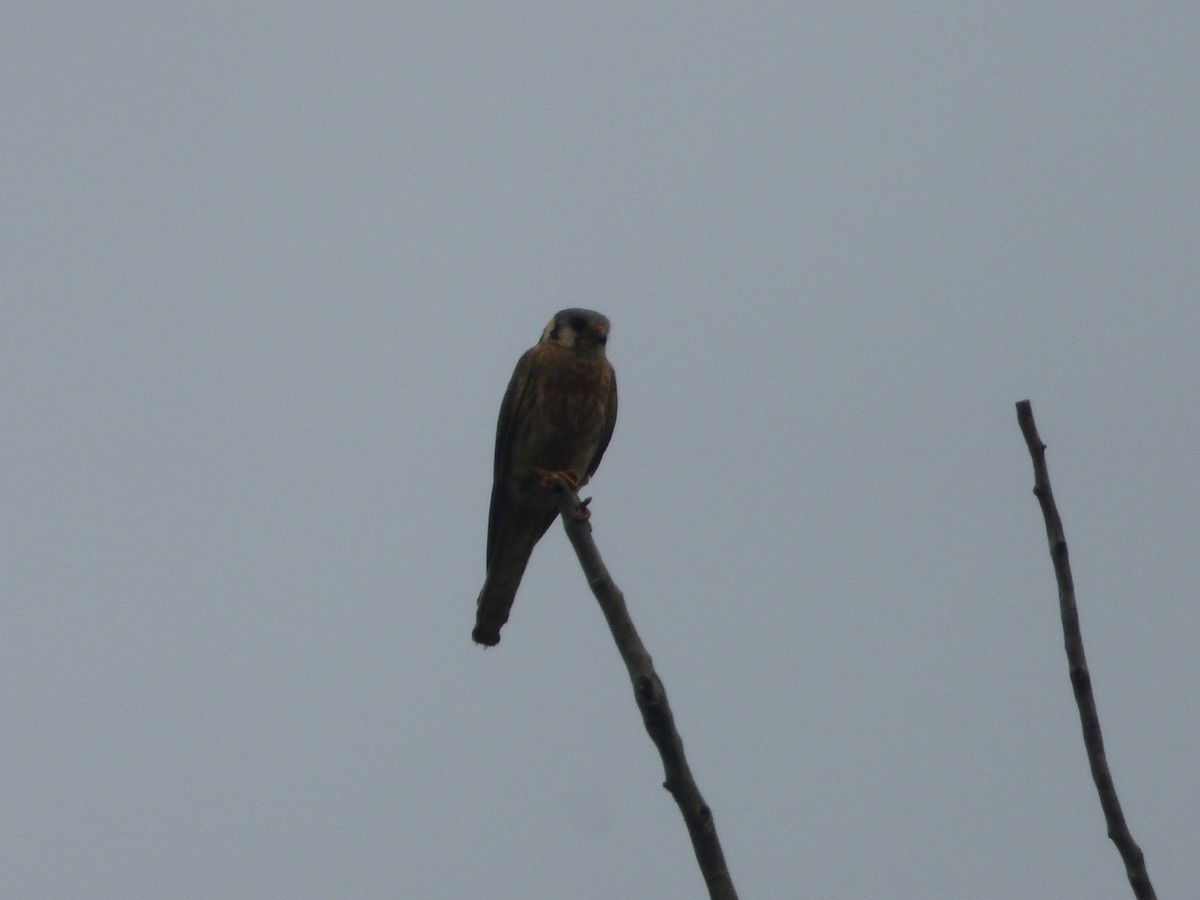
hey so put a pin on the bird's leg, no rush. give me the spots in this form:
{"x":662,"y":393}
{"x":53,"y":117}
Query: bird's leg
{"x":570,"y":476}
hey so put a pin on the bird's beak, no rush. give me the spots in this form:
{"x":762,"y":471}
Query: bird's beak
{"x":600,"y":332}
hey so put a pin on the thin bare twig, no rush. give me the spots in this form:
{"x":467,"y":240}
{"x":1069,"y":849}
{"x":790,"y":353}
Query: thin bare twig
{"x":651,"y":699}
{"x":1081,"y":680}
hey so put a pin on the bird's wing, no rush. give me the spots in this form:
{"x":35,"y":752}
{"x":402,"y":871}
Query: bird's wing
{"x":610,"y":422}
{"x":506,"y":424}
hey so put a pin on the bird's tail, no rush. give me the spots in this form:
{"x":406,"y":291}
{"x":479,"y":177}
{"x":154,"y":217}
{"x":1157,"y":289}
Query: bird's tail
{"x":496,"y":600}
{"x":508,"y":556}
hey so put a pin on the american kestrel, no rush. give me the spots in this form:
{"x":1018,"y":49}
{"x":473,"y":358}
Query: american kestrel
{"x":557,"y":417}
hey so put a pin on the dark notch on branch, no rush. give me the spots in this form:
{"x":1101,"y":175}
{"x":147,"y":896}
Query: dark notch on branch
{"x":650,"y":696}
{"x":1081,"y":681}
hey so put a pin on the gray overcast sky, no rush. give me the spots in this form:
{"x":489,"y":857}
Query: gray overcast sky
{"x":266,"y":271}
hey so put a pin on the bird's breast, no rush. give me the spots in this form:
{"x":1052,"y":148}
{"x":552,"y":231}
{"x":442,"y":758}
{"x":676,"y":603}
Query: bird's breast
{"x":565,"y":414}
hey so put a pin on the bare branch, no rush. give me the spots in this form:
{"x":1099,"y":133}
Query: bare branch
{"x":651,"y":698}
{"x":1081,"y":680}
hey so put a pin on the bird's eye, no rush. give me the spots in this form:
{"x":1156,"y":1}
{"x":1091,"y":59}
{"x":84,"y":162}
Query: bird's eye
{"x":579,"y":324}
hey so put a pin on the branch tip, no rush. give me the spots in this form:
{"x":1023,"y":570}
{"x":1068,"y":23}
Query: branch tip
{"x":1081,"y":681}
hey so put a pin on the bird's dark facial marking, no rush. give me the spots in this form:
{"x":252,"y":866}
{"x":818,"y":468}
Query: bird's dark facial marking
{"x":577,"y":329}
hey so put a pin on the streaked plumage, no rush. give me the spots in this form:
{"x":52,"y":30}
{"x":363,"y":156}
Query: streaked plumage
{"x":557,"y":416}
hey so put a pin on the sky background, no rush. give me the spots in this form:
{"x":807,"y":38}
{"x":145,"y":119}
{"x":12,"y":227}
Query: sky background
{"x":266,"y":271}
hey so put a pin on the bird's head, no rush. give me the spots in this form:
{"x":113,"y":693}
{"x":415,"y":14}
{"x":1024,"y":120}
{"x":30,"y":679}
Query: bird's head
{"x":583,"y":330}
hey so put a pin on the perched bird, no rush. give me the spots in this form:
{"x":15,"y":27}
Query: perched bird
{"x":556,"y":418}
